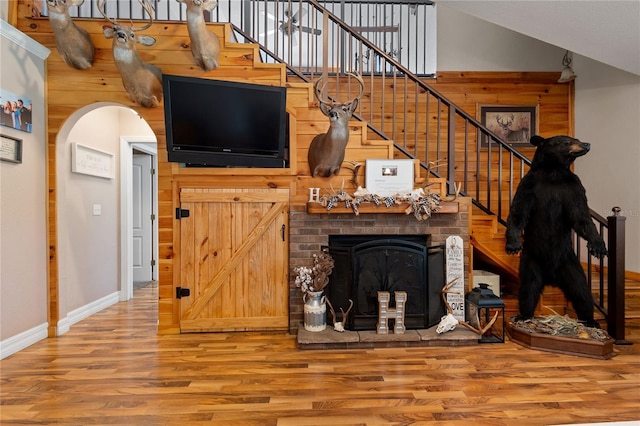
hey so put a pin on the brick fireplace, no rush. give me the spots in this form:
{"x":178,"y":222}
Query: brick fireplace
{"x":309,"y":232}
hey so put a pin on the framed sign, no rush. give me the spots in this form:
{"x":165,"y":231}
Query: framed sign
{"x":513,"y":124}
{"x":10,"y":149}
{"x":91,"y":161}
{"x":389,"y":177}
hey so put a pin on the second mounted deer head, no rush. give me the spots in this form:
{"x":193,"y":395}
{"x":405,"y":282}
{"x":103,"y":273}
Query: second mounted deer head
{"x":141,"y":80}
{"x":326,"y":152}
{"x":205,"y":45}
{"x":73,"y":43}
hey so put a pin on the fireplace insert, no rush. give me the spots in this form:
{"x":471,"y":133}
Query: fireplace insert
{"x":366,"y":264}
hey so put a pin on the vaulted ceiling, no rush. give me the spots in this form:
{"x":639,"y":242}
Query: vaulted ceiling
{"x":607,"y":31}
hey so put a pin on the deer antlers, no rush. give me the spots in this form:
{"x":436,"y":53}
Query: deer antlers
{"x":448,"y":322}
{"x":339,"y":325}
{"x":328,"y":103}
{"x":146,"y":5}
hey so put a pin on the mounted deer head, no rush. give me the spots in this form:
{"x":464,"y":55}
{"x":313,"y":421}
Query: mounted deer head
{"x":73,"y":43}
{"x":326,"y":152}
{"x":205,"y":45}
{"x":142,"y":81}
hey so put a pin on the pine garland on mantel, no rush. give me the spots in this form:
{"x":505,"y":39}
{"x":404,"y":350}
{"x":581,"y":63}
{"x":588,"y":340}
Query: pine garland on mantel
{"x":422,"y":204}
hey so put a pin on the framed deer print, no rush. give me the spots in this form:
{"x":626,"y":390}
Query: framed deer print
{"x":513,"y":124}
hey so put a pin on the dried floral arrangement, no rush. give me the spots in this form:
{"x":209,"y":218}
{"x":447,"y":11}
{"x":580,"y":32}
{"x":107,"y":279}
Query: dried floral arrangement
{"x":315,"y":278}
{"x":422,"y":204}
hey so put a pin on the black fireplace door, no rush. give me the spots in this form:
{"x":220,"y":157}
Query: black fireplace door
{"x":389,"y":265}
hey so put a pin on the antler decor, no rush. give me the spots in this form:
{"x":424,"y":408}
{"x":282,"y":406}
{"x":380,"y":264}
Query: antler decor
{"x":326,"y":152}
{"x":339,"y":325}
{"x":355,"y":170}
{"x":435,"y":165}
{"x":449,"y":322}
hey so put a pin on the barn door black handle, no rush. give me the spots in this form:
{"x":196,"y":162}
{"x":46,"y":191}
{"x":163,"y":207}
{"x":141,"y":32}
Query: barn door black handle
{"x":282,"y":231}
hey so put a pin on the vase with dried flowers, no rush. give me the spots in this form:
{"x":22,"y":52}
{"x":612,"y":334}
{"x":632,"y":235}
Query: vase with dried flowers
{"x":312,"y":282}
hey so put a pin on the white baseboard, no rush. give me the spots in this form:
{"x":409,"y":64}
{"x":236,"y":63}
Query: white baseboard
{"x":25,"y":339}
{"x":77,"y":315}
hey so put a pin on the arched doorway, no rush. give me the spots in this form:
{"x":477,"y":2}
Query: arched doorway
{"x":93,"y":193}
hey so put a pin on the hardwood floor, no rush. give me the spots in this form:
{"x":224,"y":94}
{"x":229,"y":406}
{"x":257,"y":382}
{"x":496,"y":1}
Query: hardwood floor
{"x":113,"y":368}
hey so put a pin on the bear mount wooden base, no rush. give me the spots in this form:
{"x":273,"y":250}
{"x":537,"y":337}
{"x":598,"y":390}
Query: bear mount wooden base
{"x":564,"y":345}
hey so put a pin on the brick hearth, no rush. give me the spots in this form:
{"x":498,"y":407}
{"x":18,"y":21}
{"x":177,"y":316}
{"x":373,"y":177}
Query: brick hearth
{"x":309,"y":232}
{"x":331,"y":339}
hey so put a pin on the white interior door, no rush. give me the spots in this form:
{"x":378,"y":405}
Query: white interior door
{"x":142,"y":218}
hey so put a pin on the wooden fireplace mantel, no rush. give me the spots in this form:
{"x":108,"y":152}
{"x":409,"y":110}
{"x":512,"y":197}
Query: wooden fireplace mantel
{"x":446,"y":207}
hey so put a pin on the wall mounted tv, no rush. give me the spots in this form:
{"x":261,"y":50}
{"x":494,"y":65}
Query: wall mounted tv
{"x":214,"y":123}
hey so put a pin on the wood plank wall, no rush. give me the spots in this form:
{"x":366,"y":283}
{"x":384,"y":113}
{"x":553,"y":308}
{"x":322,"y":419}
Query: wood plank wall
{"x":70,"y":90}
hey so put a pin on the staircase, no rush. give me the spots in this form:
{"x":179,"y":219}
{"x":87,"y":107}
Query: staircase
{"x":488,"y":240}
{"x":424,"y":125}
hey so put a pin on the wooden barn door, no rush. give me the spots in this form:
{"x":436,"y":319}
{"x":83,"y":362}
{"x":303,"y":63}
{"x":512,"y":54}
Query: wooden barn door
{"x":234,"y":259}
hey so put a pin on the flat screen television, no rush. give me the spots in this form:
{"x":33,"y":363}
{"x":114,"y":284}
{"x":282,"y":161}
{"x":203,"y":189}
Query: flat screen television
{"x":214,"y":123}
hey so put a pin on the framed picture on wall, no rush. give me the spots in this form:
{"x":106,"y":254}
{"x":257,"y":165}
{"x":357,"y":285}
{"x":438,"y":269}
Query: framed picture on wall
{"x":91,"y":161}
{"x":10,"y":149}
{"x":16,"y":111}
{"x":513,"y":124}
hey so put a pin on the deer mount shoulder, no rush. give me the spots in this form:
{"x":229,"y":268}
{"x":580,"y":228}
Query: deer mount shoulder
{"x":73,"y":43}
{"x":205,"y":45}
{"x":141,"y":80}
{"x":327,"y":150}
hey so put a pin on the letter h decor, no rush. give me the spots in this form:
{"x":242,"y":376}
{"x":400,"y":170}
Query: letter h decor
{"x":385,"y":313}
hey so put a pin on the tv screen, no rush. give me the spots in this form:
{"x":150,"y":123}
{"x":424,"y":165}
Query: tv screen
{"x":224,"y":124}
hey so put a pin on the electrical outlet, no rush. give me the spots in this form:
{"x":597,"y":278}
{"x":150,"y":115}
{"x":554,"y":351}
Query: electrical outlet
{"x":97,"y":209}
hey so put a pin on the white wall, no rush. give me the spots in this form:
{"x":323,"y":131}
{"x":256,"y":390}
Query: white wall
{"x":466,"y":43}
{"x":89,"y":244}
{"x":607,"y":111}
{"x":23,"y":200}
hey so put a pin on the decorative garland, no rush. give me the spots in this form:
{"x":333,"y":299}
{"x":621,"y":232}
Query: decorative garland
{"x":421,"y":204}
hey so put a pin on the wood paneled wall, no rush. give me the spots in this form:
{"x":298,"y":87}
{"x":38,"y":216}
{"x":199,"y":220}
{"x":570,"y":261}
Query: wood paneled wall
{"x":70,"y":90}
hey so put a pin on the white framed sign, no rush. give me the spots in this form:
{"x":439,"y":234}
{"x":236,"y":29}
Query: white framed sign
{"x":91,"y":161}
{"x":389,"y":177}
{"x":454,"y":265}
